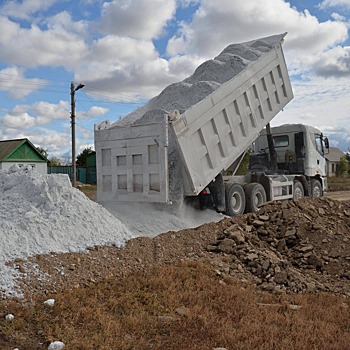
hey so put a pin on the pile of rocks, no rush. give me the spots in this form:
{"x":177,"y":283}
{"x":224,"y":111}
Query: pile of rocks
{"x":291,"y":246}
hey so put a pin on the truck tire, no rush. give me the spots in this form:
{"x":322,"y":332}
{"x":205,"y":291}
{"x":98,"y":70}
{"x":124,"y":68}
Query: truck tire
{"x":255,"y":196}
{"x":316,"y":188}
{"x":298,"y":190}
{"x":235,"y":200}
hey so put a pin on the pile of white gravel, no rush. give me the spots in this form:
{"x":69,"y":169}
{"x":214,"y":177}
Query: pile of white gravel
{"x":40,"y":214}
{"x":43,"y":213}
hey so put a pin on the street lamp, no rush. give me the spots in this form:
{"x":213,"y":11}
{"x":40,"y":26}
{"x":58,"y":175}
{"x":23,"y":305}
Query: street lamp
{"x":72,"y":95}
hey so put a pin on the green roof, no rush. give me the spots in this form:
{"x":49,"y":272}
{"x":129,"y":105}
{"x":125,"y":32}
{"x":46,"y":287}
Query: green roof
{"x":19,"y":150}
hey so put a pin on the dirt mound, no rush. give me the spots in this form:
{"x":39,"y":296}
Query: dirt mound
{"x":286,"y":247}
{"x":291,"y":246}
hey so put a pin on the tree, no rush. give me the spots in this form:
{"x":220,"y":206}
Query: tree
{"x":54,"y":162}
{"x":343,"y":167}
{"x":81,"y":159}
{"x":243,"y":167}
{"x":347,"y":156}
{"x":42,"y":151}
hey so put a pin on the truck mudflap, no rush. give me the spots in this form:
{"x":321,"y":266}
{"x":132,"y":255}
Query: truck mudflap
{"x":212,"y":134}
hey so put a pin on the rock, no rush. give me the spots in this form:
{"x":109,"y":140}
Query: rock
{"x":56,"y":345}
{"x":258,"y":223}
{"x":265,"y":265}
{"x":281,"y":245}
{"x":290,"y":232}
{"x":237,"y":236}
{"x":226,"y":246}
{"x":231,"y":228}
{"x":9,"y":317}
{"x":252,"y":256}
{"x":49,"y":302}
{"x":315,"y":261}
{"x":281,"y":278}
{"x":287,"y":214}
{"x":212,"y":248}
{"x":305,"y":249}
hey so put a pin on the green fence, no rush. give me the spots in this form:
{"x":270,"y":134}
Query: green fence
{"x":84,"y":174}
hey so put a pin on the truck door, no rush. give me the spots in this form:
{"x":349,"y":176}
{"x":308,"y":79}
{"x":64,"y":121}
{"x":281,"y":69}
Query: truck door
{"x":320,"y":160}
{"x":299,"y":152}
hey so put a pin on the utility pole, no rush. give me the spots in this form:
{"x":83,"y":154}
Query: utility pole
{"x":72,"y":95}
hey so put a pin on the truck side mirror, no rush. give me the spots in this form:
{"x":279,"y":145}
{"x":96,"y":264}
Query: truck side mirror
{"x":326,"y":142}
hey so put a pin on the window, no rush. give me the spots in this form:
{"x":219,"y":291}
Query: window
{"x":281,"y":141}
{"x":318,"y":142}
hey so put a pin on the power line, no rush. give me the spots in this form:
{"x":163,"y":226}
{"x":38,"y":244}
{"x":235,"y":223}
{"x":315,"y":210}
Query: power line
{"x":52,"y":85}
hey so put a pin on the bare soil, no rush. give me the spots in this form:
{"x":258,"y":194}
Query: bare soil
{"x":287,"y":249}
{"x":339,"y":195}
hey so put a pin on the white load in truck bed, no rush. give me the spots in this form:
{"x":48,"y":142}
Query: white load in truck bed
{"x":134,"y":159}
{"x":214,"y":133}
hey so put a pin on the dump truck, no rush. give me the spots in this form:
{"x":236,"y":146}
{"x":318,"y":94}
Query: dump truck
{"x":194,"y":151}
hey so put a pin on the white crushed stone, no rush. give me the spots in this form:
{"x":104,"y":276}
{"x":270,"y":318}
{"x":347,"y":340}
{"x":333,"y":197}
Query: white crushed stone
{"x":43,"y":213}
{"x":209,"y":76}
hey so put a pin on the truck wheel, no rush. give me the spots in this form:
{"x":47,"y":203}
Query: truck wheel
{"x":316,"y":189}
{"x":298,"y":190}
{"x":255,"y":196}
{"x":235,"y":200}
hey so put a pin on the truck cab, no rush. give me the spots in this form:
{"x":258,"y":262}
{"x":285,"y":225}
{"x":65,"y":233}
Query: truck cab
{"x":299,"y":149}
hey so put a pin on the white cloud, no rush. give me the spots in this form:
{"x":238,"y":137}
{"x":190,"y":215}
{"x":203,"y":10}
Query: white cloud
{"x":25,"y":9}
{"x":54,"y":141}
{"x":322,"y":103}
{"x":40,"y":113}
{"x":337,"y":17}
{"x":334,"y":3}
{"x":63,"y":22}
{"x":187,"y":3}
{"x":16,"y":85}
{"x":22,"y":121}
{"x":137,"y":18}
{"x":214,"y":27}
{"x":130,"y":68}
{"x":93,"y":112}
{"x":334,"y":62}
{"x":36,"y":47}
{"x":47,"y":110}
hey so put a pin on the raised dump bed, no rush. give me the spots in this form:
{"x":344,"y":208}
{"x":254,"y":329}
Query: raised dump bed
{"x":205,"y":138}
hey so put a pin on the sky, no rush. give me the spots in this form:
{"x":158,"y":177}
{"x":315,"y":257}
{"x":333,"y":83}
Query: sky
{"x":127,"y":51}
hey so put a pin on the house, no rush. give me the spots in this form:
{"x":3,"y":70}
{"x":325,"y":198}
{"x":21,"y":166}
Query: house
{"x":333,"y":160}
{"x":21,"y":152}
{"x":91,"y":159}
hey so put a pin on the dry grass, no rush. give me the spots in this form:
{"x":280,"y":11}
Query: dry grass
{"x":178,"y":307}
{"x":339,"y":183}
{"x":89,"y":191}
